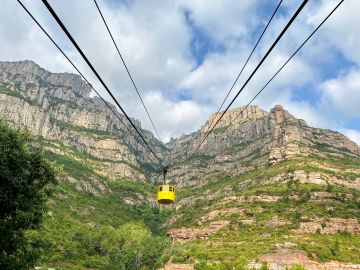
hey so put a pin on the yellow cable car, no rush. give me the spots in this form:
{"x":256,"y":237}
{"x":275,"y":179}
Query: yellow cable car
{"x":166,"y":194}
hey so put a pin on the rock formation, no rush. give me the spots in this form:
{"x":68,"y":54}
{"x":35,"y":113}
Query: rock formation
{"x":256,"y":138}
{"x":57,"y":107}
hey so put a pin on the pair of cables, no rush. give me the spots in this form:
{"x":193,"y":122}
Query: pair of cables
{"x":142,"y":142}
{"x":269,"y":81}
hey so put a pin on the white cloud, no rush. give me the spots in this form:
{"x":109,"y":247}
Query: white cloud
{"x":181,"y":117}
{"x":223,"y":20}
{"x":21,"y":40}
{"x":341,"y":30}
{"x":342,"y":94}
{"x":353,"y":135}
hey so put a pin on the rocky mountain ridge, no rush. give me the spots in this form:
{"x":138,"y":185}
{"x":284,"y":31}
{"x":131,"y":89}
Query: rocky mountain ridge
{"x":256,"y":138}
{"x":57,"y":107}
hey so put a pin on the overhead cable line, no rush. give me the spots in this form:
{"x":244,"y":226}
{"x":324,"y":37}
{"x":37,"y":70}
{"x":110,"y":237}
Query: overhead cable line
{"x":287,"y":61}
{"x":128,"y":72}
{"x":254,"y":71}
{"x":246,"y":62}
{"x":57,"y":19}
{"x":81,"y":74}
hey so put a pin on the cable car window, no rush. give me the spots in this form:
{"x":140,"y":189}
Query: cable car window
{"x":165,"y":188}
{"x":160,"y":188}
{"x":170,"y":189}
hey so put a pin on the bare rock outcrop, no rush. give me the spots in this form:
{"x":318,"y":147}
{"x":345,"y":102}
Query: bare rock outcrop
{"x":283,"y":259}
{"x":219,"y":213}
{"x":277,"y":222}
{"x":184,"y":234}
{"x":329,"y":226}
{"x":178,"y":266}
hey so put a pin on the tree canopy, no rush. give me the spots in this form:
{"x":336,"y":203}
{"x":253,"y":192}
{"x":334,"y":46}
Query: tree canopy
{"x":25,"y":176}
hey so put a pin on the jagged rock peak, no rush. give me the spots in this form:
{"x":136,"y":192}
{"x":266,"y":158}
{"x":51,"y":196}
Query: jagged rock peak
{"x":278,"y":115}
{"x":57,"y":108}
{"x":234,"y":116}
{"x":20,"y":71}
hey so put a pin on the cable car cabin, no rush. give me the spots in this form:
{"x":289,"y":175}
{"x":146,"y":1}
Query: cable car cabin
{"x":166,"y":194}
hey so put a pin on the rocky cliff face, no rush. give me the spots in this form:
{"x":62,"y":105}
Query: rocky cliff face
{"x":255,"y":138}
{"x":57,"y":108}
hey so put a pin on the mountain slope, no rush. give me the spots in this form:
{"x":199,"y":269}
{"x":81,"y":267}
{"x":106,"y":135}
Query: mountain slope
{"x":283,"y":207}
{"x":57,"y":108}
{"x":103,"y":193}
{"x":269,"y":188}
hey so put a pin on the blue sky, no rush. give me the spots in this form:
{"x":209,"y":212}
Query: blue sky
{"x":184,"y":56}
{"x":201,"y":43}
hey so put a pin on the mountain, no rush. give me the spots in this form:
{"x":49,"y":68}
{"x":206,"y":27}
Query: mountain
{"x":57,"y":108}
{"x":268,"y":188}
{"x":255,"y":139}
{"x":104,"y":193}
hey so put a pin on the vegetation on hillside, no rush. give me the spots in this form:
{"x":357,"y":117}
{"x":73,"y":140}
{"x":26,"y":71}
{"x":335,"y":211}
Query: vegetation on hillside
{"x":90,"y":230}
{"x":251,"y":233}
{"x":87,"y":231}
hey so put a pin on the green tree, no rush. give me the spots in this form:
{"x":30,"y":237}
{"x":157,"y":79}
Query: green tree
{"x":24,"y":186}
{"x":151,"y":250}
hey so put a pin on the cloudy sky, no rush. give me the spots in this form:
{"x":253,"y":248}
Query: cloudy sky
{"x":185,"y":54}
